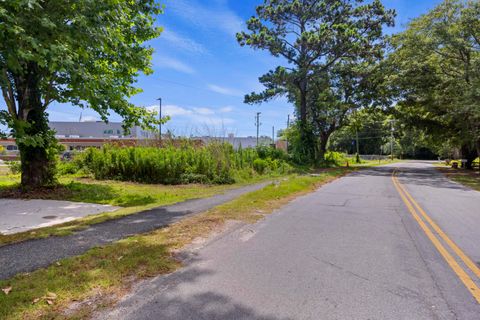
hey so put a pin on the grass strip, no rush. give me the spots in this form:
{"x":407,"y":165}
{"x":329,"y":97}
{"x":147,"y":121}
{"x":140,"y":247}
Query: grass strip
{"x":108,"y":271}
{"x":134,"y":197}
{"x":469,"y":178}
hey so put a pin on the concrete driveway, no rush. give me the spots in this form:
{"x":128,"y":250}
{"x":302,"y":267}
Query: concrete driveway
{"x":23,"y":215}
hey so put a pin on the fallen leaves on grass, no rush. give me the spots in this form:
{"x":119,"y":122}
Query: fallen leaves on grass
{"x":49,"y":298}
{"x":7,"y":290}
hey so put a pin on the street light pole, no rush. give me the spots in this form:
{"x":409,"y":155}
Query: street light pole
{"x":391,"y":140}
{"x":273,"y":134}
{"x":257,"y":123}
{"x":357,"y":158}
{"x":160,"y":118}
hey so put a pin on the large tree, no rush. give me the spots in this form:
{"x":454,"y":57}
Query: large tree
{"x":86,"y":53}
{"x":337,"y":93}
{"x":311,"y":36}
{"x":435,"y":74}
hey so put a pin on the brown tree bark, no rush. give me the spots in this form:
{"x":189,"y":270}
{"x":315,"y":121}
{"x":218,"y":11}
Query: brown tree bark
{"x":469,"y":154}
{"x":32,"y":133}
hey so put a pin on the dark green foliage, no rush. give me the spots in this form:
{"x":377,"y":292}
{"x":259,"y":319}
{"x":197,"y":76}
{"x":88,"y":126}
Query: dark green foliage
{"x":82,"y":52}
{"x":435,"y":75}
{"x":215,"y":163}
{"x":265,"y":152}
{"x":67,"y":167}
{"x":14,"y":166}
{"x":333,"y":158}
{"x":330,"y":48}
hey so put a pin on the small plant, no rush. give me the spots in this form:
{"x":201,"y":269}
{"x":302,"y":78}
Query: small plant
{"x":14,"y":166}
{"x":333,"y":158}
{"x":67,"y":167}
{"x":260,"y":165}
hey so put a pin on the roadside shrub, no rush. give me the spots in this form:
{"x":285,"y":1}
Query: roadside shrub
{"x":67,"y":167}
{"x":14,"y":166}
{"x":215,"y":163}
{"x":455,"y":164}
{"x":265,"y":152}
{"x":260,"y":165}
{"x":334,"y":158}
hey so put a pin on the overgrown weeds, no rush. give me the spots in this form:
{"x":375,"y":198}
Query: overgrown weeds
{"x":216,"y":163}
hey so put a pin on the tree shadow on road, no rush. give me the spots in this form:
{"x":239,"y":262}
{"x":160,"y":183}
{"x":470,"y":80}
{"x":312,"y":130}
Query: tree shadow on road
{"x":160,"y":299}
{"x":427,"y":176}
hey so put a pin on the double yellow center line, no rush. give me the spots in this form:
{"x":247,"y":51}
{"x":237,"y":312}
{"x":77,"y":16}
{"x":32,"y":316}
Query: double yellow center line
{"x":429,"y":227}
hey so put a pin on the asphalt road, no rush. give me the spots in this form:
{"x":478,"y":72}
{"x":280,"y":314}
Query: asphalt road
{"x":351,"y":250}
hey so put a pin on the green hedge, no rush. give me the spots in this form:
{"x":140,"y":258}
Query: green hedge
{"x":214,"y":163}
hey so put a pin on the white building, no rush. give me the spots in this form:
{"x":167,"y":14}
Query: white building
{"x":97,"y":129}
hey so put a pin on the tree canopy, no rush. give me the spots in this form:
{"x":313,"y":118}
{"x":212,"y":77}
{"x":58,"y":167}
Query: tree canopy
{"x":86,"y":53}
{"x":435,"y":74}
{"x":314,"y":38}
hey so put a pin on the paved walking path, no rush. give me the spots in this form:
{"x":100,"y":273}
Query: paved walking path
{"x":18,"y":215}
{"x":34,"y":254}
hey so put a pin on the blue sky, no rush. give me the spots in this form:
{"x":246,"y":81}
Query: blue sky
{"x":202,"y":74}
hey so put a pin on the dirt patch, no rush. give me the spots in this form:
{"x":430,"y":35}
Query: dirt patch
{"x":45,"y":193}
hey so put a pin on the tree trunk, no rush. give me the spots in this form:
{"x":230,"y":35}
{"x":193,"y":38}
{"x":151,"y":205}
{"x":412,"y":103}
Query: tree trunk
{"x":322,"y":147}
{"x":478,"y":152}
{"x":469,"y":154}
{"x":38,"y":169}
{"x":32,"y":133}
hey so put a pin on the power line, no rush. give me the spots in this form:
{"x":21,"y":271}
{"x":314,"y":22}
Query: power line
{"x":184,"y":85}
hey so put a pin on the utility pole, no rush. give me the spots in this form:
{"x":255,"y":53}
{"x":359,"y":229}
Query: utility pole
{"x":160,"y":118}
{"x":391,"y":140}
{"x":258,"y":124}
{"x":273,"y":134}
{"x":358,"y":145}
{"x":288,"y":126}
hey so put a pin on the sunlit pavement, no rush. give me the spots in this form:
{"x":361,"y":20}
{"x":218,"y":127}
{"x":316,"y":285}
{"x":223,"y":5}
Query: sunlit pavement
{"x":354,"y":249}
{"x":23,"y":215}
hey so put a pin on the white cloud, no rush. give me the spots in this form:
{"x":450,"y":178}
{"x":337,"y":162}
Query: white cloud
{"x":183,"y":43}
{"x":203,"y":111}
{"x":224,"y":90}
{"x":226,"y":109}
{"x":202,"y":16}
{"x":172,"y":63}
{"x":195,"y":115}
{"x":171,"y":110}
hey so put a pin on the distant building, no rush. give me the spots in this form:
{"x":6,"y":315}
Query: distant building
{"x":97,"y":129}
{"x":236,"y":142}
{"x":81,"y":135}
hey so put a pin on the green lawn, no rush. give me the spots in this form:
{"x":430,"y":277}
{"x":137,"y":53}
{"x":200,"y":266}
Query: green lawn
{"x":108,"y":271}
{"x":469,"y":178}
{"x":133,"y":197}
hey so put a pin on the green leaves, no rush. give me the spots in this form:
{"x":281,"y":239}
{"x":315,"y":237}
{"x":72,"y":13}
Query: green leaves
{"x":436,"y":72}
{"x":330,"y":48}
{"x":84,"y":52}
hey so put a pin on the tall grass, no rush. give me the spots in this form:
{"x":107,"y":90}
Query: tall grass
{"x":215,"y":163}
